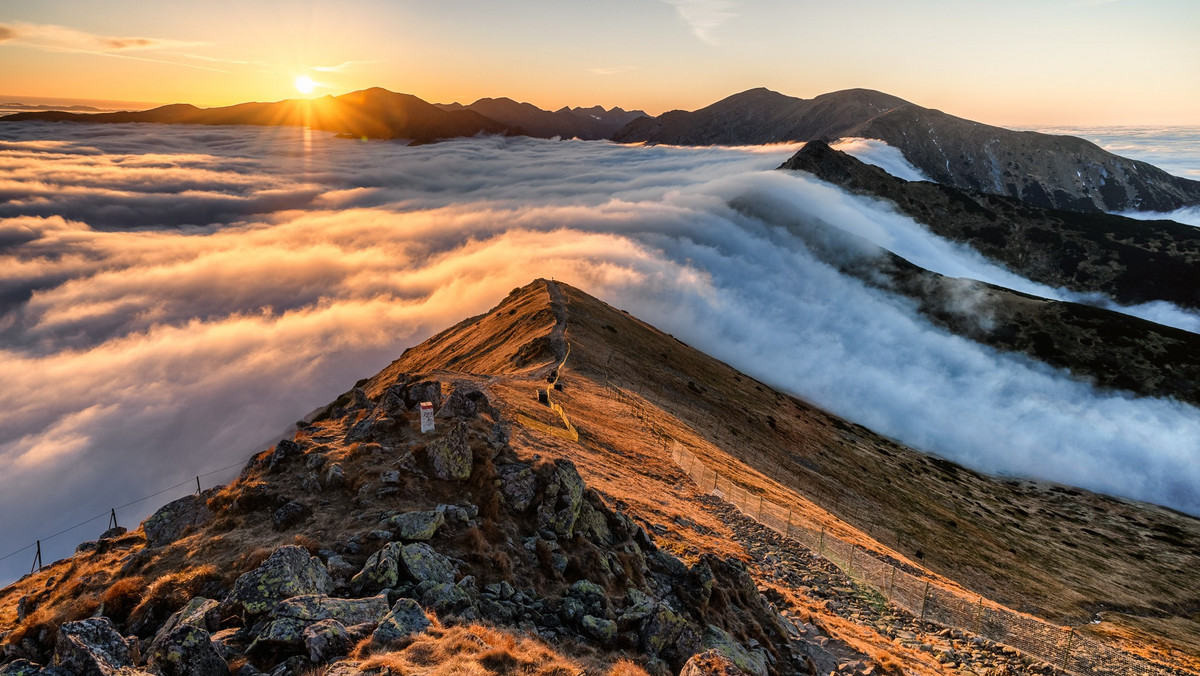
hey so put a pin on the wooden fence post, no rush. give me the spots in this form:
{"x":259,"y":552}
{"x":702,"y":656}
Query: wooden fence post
{"x":1066,"y":658}
{"x":924,"y":601}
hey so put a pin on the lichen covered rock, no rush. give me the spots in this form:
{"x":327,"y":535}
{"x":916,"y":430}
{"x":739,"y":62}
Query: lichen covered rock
{"x":417,"y":525}
{"x":92,"y":647}
{"x":289,"y":572}
{"x":562,"y":498}
{"x":172,"y":519}
{"x":187,"y":651}
{"x":450,"y":456}
{"x":405,"y":619}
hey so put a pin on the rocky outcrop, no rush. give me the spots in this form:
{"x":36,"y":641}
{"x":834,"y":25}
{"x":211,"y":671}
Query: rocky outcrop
{"x":288,"y":572}
{"x":417,"y":525}
{"x":186,"y":650}
{"x":405,"y":619}
{"x":173,"y":519}
{"x":450,"y":456}
{"x":92,"y":647}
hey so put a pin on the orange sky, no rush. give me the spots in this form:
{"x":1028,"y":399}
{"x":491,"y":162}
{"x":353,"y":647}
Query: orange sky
{"x":1020,"y":62}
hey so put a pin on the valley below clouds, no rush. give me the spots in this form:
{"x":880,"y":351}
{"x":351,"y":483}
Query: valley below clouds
{"x":172,"y":299}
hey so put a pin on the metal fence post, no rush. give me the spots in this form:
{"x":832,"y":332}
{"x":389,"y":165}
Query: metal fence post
{"x":197,"y":485}
{"x":821,"y":542}
{"x":112,"y":519}
{"x":924,"y":601}
{"x":37,"y":558}
{"x":1066,"y":658}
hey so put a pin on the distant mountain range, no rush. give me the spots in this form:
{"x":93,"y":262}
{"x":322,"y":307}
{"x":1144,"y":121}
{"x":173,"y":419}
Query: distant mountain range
{"x":1045,"y":170}
{"x":1042,"y":170}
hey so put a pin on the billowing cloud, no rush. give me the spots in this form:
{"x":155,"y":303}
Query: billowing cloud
{"x":705,"y":16}
{"x":143,"y":349}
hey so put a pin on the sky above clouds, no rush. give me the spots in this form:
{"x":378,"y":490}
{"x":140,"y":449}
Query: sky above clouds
{"x":1018,"y":63}
{"x":172,"y":297}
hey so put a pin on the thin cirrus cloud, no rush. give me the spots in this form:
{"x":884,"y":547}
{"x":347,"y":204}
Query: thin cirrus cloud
{"x":63,"y":39}
{"x":154,"y":345}
{"x":705,"y":16}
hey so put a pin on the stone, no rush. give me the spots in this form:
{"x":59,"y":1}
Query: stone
{"x":464,"y":402}
{"x":171,"y":520}
{"x":187,"y":650}
{"x":373,"y":427}
{"x":318,"y":607}
{"x":426,"y":390}
{"x":638,"y":608}
{"x":199,"y":612}
{"x":447,"y":597}
{"x":668,"y":634}
{"x":593,"y":526}
{"x":20,"y":668}
{"x":290,"y":514}
{"x":113,"y":533}
{"x":749,"y":660}
{"x":284,"y":451}
{"x":381,"y":571}
{"x":450,"y":456}
{"x":417,"y":525}
{"x":392,"y":401}
{"x":602,"y":630}
{"x":389,"y":477}
{"x":339,"y":568}
{"x":296,"y":665}
{"x":423,"y":564}
{"x":92,"y":647}
{"x":562,"y":498}
{"x":710,"y":663}
{"x":518,"y":485}
{"x":326,"y":640}
{"x":501,"y":590}
{"x":335,"y":476}
{"x":405,"y":619}
{"x":288,"y":572}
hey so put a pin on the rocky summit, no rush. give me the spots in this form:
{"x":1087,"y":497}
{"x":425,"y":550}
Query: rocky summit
{"x":494,"y":544}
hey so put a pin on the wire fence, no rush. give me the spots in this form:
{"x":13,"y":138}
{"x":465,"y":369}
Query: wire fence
{"x":112,"y":516}
{"x":1062,"y":647}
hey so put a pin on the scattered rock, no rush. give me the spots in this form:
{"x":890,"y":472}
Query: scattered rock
{"x":326,"y":640}
{"x":405,"y":619}
{"x":284,"y":451}
{"x":518,"y":485}
{"x":426,"y":390}
{"x":464,"y":402}
{"x":335,"y":476}
{"x":187,"y":650}
{"x":172,"y":519}
{"x":711,"y":663}
{"x":450,"y":456}
{"x":423,"y":564}
{"x":417,"y":525}
{"x":602,"y":630}
{"x":290,"y":571}
{"x":290,"y":514}
{"x":92,"y":647}
{"x":318,"y":607}
{"x":381,"y":571}
{"x":562,"y":498}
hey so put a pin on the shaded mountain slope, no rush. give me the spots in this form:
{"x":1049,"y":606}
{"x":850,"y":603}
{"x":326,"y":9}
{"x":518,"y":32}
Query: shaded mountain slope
{"x":1044,"y":170}
{"x":1129,"y":260}
{"x":359,"y":486}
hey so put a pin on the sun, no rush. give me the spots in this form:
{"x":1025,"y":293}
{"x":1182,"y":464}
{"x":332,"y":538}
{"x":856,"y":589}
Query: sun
{"x":304,"y":84}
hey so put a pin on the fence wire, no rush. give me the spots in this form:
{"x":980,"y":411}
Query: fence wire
{"x":1061,"y":647}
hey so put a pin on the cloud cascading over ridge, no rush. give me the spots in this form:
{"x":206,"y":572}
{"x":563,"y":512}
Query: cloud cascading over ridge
{"x":171,"y":297}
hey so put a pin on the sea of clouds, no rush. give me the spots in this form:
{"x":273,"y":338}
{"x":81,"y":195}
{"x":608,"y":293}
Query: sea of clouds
{"x":174,"y":298}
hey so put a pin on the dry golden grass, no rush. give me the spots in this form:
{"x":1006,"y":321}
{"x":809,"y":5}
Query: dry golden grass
{"x":473,"y":649}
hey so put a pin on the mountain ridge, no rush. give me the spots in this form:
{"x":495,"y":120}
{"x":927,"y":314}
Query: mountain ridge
{"x":549,"y":517}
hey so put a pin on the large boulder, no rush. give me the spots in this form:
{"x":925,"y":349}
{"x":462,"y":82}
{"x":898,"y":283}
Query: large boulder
{"x":289,"y":572}
{"x":405,"y":619}
{"x":199,"y":612}
{"x":417,"y":525}
{"x":450,"y":456}
{"x":186,"y":651}
{"x":92,"y":647}
{"x":562,"y":498}
{"x":318,"y":607}
{"x":426,"y":390}
{"x":326,"y":640}
{"x":518,"y":485}
{"x":381,"y":571}
{"x":667,"y":634}
{"x":465,"y":402}
{"x":423,"y":564}
{"x":172,"y":519}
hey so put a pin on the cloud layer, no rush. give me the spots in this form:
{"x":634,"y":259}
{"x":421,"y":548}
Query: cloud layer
{"x":172,"y":298}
